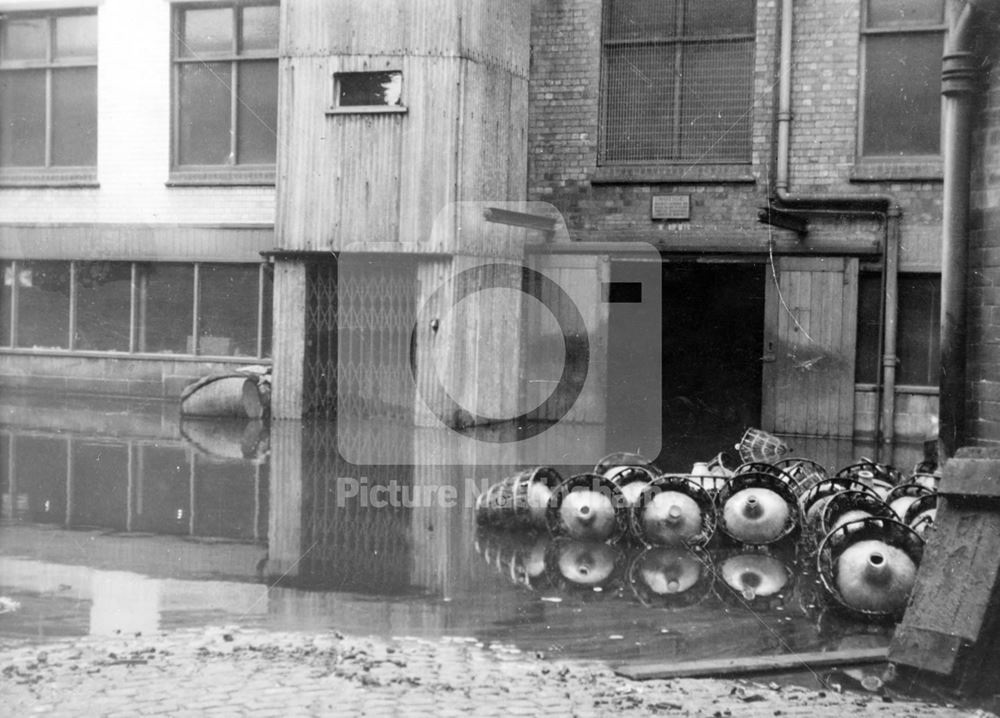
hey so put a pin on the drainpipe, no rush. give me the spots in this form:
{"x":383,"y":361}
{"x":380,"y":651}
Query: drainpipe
{"x":958,"y":84}
{"x":880,"y":206}
{"x":886,"y":398}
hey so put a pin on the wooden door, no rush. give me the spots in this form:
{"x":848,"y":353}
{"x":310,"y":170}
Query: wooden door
{"x":809,"y":342}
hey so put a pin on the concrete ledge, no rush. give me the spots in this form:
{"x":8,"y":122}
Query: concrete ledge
{"x":973,"y":471}
{"x":929,"y":650}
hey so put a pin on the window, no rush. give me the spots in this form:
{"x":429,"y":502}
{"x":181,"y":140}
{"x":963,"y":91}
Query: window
{"x":144,"y":308}
{"x":165,"y":299}
{"x":48,"y":93}
{"x":226,"y":89}
{"x":42,"y":305}
{"x":368,"y":91}
{"x":919,"y":339}
{"x":918,"y":329}
{"x":677,"y":81}
{"x":103,"y":296}
{"x":225,"y":291}
{"x":903,"y":41}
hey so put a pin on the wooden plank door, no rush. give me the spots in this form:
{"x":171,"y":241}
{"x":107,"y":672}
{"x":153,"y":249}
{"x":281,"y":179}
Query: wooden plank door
{"x":809,"y":342}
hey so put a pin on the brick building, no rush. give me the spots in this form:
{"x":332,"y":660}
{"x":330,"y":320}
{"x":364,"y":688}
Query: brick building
{"x":678,"y":124}
{"x":821,"y":103}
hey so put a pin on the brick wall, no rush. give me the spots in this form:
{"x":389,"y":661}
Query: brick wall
{"x":564,"y":109}
{"x":134,"y":138}
{"x":983,"y":373}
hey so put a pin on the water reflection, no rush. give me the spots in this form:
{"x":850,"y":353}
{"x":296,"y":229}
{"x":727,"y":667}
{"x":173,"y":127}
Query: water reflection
{"x":125,"y":518}
{"x":127,"y":485}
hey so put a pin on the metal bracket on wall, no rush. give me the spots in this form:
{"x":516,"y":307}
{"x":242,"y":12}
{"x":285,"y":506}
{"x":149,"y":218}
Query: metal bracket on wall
{"x":784,"y":219}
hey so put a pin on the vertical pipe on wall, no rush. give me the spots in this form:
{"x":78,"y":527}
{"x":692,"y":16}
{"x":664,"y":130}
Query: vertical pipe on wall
{"x":958,"y":79}
{"x":880,"y":205}
{"x":890,"y":320}
{"x":954,"y":258}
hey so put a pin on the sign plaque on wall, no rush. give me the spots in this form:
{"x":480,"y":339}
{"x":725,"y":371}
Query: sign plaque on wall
{"x":671,"y":206}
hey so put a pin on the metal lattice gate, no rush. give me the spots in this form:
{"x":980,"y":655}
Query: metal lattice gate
{"x":348,"y":543}
{"x":319,"y":389}
{"x":360,"y":315}
{"x":377,"y":315}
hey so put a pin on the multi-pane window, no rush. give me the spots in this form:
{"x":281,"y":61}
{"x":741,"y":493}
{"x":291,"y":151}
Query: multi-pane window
{"x":918,"y":329}
{"x":206,"y":309}
{"x":677,"y":81}
{"x":48,"y":90}
{"x":225,"y":85}
{"x":901,"y":102}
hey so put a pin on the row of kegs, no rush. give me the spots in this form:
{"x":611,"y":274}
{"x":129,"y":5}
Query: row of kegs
{"x":862,"y":528}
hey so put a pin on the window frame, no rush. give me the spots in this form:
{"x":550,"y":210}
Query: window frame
{"x":336,"y":108}
{"x":675,"y":169}
{"x":930,"y":322}
{"x":874,"y":277}
{"x":916,"y":166}
{"x":263,"y":348}
{"x":49,"y":174}
{"x":233,"y":172}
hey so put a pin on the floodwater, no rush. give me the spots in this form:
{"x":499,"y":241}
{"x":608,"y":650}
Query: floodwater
{"x":121,"y":517}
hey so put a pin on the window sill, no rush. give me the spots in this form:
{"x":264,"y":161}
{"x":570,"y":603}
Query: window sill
{"x":673,"y":174}
{"x":141,"y":356}
{"x":916,"y":170}
{"x":900,"y":388}
{"x":922,"y":389}
{"x":222,"y":177}
{"x":368,"y":110}
{"x":68,"y":177}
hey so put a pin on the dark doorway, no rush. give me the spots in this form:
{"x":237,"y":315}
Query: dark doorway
{"x":710,"y":384}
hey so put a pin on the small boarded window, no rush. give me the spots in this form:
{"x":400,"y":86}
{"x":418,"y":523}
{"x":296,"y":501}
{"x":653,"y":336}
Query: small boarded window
{"x":677,"y":81}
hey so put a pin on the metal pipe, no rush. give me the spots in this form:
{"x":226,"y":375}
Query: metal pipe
{"x":958,"y":84}
{"x":875,"y":203}
{"x":890,"y":319}
{"x":880,"y":205}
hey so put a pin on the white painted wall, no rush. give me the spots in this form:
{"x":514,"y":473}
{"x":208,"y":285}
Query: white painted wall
{"x":133,"y":136}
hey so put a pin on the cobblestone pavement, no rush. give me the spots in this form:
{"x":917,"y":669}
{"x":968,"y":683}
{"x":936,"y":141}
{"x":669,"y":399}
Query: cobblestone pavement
{"x":241,"y":672}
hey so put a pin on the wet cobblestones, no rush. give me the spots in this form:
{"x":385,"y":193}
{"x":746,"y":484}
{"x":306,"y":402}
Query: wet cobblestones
{"x":241,"y":672}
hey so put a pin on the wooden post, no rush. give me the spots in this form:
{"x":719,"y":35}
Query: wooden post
{"x":284,"y":532}
{"x":289,"y":340}
{"x":948,"y":626}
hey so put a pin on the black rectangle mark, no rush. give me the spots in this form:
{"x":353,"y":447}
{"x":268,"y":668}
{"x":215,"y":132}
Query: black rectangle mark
{"x":622,"y":292}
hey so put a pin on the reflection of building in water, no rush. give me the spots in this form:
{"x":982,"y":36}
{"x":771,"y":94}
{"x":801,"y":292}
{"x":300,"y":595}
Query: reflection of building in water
{"x":134,"y":483}
{"x":351,"y":543}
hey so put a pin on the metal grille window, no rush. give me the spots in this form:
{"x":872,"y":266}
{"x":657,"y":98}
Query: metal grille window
{"x":901,"y":101}
{"x":48,"y":90}
{"x":225,"y":85}
{"x":677,"y":81}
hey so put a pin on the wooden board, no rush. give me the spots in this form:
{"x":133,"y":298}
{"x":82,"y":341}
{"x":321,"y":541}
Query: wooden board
{"x":752,"y":664}
{"x":947,"y":623}
{"x":809,"y":344}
